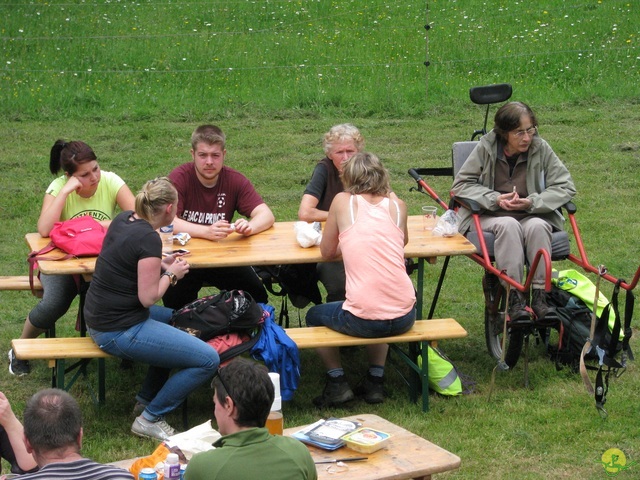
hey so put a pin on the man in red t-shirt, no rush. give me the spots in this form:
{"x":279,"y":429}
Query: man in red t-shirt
{"x":209,"y":194}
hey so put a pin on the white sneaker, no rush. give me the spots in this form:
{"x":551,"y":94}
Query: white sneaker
{"x":159,"y":429}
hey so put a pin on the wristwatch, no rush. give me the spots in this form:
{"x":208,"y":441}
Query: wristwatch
{"x":173,"y":280}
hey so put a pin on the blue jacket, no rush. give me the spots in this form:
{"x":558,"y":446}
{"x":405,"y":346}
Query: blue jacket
{"x":279,"y":353}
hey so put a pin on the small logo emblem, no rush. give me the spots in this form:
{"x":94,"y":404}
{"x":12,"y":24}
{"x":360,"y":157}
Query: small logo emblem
{"x":614,"y":461}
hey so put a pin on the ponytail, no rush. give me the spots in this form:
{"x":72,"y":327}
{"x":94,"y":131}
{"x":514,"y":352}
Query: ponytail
{"x":154,"y":196}
{"x":67,"y":156}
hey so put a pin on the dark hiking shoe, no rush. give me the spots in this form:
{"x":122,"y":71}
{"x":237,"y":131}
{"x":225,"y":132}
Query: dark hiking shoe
{"x":17,"y":367}
{"x":336,"y":392}
{"x":540,"y":306}
{"x":518,"y":313}
{"x":371,"y":389}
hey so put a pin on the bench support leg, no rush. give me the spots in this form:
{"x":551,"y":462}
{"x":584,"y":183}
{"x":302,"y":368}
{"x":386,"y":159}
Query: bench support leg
{"x":60,"y":370}
{"x":419,"y":377}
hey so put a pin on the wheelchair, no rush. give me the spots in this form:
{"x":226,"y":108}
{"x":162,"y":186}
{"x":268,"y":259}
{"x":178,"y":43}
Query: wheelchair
{"x":504,"y":340}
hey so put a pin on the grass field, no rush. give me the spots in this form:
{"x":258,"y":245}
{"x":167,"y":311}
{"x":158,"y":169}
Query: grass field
{"x":575,"y":62}
{"x":548,"y":430}
{"x":138,"y":60}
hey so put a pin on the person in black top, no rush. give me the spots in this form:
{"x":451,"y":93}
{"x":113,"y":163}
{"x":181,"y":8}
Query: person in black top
{"x":122,"y":318}
{"x":340,"y":143}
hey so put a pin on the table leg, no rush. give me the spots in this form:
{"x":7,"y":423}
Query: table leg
{"x":420,"y":289}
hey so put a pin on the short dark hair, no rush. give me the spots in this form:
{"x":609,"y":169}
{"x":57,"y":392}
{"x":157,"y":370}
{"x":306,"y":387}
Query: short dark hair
{"x":52,"y":420}
{"x":508,"y":118}
{"x":250,"y":387}
{"x":209,"y":134}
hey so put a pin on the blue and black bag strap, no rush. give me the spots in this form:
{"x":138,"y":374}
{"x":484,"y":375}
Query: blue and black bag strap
{"x":602,"y":376}
{"x":628,"y":313}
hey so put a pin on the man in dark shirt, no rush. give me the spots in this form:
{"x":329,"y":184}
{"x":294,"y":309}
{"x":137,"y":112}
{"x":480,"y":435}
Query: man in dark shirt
{"x":209,"y":194}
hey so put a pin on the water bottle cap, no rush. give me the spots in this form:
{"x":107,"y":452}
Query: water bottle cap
{"x":172,"y":458}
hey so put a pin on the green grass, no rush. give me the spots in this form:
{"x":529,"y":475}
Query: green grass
{"x":550,"y":429}
{"x":135,"y":61}
{"x":575,"y":62}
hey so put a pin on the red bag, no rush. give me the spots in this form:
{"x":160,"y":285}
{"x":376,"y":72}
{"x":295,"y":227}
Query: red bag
{"x":229,"y":343}
{"x":78,"y":237}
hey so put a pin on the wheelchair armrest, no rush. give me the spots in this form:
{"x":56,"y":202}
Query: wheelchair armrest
{"x":570,"y":207}
{"x":469,"y":204}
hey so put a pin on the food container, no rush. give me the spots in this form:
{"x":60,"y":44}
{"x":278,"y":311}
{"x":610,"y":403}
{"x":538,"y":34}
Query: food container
{"x":366,"y":440}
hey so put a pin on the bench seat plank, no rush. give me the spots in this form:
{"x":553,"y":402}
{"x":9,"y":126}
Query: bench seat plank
{"x":57,"y":351}
{"x":422,"y":330}
{"x":19,"y":283}
{"x":56,"y":348}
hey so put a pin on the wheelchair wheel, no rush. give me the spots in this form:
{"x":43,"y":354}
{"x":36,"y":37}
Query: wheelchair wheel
{"x":494,"y":323}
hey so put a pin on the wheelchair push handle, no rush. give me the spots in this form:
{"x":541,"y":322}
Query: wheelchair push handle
{"x":424,"y":187}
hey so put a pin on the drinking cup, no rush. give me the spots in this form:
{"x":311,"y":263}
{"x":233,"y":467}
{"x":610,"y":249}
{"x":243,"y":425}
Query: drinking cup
{"x":429,"y":217}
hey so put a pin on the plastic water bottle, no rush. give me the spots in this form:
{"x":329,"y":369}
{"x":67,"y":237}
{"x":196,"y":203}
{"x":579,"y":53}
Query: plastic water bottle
{"x":166,"y":234}
{"x":275,"y":420}
{"x":172,"y":467}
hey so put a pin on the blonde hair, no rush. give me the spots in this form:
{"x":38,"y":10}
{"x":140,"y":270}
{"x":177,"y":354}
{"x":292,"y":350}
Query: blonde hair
{"x":364,"y":173}
{"x":153,"y":196}
{"x":342,"y":133}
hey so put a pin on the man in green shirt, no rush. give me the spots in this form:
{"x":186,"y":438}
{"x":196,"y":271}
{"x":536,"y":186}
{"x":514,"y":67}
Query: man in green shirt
{"x":243,"y":395}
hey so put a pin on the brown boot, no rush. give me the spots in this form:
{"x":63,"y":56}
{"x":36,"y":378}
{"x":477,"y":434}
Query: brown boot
{"x":518,"y":313}
{"x":540,"y":306}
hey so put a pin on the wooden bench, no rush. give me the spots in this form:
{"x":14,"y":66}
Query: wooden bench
{"x":19,"y":283}
{"x":422,"y":332}
{"x":57,"y":350}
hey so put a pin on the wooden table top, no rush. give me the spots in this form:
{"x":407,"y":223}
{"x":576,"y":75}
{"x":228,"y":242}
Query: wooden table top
{"x":277,"y":245}
{"x":406,"y":456}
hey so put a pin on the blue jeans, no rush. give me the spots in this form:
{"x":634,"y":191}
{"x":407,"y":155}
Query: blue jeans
{"x":163,"y":347}
{"x":332,"y":315}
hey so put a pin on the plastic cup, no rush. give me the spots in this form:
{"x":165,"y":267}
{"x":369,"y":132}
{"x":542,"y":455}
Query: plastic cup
{"x":275,"y":420}
{"x":429,"y":217}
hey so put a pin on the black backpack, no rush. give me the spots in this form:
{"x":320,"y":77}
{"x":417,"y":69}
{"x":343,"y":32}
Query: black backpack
{"x":298,"y":282}
{"x":606,"y":346}
{"x":574,"y":327}
{"x":230,"y":311}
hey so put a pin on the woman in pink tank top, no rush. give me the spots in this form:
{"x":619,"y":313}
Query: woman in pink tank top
{"x":367,"y":225}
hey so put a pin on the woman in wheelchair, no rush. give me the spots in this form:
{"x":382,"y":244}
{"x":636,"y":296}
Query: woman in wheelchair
{"x":520,"y":183}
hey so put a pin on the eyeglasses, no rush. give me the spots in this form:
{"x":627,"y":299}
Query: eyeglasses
{"x":531,"y":131}
{"x":224,"y":385}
